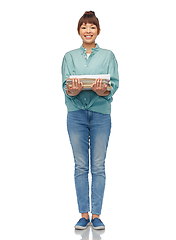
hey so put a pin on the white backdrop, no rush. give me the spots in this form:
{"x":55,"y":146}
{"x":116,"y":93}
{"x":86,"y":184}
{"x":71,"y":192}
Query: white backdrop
{"x":38,"y":199}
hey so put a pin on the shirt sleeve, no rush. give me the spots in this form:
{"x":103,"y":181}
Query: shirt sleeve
{"x":114,"y":75}
{"x":65,"y":74}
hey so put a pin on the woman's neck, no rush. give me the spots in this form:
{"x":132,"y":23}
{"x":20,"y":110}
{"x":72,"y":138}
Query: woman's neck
{"x":89,"y":46}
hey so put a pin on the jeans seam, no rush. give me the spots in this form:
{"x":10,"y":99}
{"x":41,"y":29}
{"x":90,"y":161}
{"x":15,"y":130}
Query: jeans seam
{"x":90,"y":120}
{"x":92,"y":199}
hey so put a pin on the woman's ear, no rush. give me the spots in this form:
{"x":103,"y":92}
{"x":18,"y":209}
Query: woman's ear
{"x":99,"y":31}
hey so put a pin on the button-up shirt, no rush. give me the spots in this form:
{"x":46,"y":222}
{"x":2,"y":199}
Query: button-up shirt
{"x":100,"y":61}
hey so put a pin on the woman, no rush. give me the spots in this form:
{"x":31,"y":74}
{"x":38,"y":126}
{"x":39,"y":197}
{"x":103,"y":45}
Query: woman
{"x":89,"y":120}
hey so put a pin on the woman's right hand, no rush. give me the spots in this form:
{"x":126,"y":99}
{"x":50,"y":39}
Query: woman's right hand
{"x":76,"y":88}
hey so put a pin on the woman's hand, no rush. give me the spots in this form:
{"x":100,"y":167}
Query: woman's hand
{"x":99,"y":88}
{"x":76,"y":88}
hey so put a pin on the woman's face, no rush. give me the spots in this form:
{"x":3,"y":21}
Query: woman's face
{"x":88,"y":32}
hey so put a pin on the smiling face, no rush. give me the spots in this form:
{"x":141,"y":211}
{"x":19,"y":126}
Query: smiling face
{"x":88,"y":32}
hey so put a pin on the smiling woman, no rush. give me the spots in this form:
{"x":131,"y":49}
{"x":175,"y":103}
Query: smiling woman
{"x":89,"y":119}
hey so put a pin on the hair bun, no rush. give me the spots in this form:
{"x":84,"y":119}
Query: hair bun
{"x":89,"y":14}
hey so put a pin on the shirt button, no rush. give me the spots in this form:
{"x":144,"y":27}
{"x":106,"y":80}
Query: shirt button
{"x":84,"y":99}
{"x":85,"y":66}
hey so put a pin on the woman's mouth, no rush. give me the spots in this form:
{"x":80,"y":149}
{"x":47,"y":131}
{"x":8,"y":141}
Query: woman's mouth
{"x":88,"y":36}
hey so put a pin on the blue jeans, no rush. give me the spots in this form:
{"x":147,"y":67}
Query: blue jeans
{"x":89,"y":135}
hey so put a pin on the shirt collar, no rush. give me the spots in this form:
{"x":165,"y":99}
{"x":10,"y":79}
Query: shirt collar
{"x":94,"y":50}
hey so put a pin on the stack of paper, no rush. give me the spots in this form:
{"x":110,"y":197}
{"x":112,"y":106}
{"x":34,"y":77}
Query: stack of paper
{"x":88,"y":80}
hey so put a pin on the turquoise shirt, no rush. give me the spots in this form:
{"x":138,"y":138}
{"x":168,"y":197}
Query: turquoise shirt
{"x":100,"y":61}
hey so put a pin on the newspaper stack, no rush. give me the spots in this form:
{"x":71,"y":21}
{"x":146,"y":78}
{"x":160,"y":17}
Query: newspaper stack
{"x":88,"y":80}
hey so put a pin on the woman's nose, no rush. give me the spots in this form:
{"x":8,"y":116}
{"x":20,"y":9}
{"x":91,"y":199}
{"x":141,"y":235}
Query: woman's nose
{"x":88,"y":30}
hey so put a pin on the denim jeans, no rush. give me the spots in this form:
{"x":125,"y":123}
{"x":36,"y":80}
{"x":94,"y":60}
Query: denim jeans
{"x":89,"y":135}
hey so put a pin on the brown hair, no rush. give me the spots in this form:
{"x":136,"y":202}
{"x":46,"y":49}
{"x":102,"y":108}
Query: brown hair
{"x":89,"y":17}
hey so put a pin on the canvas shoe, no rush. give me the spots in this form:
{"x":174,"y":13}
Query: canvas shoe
{"x":82,"y":224}
{"x":97,"y":224}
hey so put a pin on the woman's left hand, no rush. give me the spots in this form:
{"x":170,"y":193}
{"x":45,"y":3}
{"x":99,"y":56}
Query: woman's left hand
{"x":100,"y":88}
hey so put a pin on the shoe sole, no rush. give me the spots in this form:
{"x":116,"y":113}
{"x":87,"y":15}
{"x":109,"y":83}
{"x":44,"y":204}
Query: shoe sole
{"x":99,"y":228}
{"x":82,"y":228}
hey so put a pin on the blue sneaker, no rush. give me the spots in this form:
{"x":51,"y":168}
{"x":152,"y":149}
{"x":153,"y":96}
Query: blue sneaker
{"x":97,"y":224}
{"x":82,"y":224}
